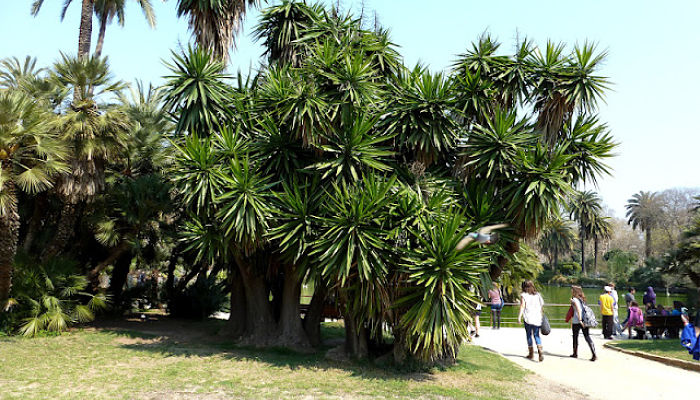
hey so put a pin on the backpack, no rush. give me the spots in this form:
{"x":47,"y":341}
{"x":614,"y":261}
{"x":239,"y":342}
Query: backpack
{"x":587,"y":316}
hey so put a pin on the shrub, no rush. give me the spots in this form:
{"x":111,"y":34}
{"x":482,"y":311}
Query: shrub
{"x":201,"y":299}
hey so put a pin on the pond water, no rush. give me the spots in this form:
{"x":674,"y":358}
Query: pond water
{"x":557,"y":300}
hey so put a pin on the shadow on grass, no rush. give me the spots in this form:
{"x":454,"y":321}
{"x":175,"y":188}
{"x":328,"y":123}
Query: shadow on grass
{"x":180,"y":338}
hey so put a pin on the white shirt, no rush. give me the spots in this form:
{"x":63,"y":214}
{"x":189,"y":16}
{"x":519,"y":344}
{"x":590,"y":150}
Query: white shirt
{"x":532,"y":313}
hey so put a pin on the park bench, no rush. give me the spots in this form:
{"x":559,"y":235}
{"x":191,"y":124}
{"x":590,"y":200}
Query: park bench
{"x":657,"y":324}
{"x":329,"y":311}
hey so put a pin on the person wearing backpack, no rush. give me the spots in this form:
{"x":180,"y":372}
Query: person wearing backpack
{"x":578,"y":301}
{"x":531,"y":305}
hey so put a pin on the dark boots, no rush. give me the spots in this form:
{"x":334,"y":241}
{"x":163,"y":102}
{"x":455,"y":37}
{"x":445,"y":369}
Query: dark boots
{"x":530,"y":352}
{"x":594,"y":357}
{"x":575,"y":353}
{"x":540,"y":352}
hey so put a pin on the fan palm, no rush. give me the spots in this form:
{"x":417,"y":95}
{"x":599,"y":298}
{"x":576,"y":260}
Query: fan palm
{"x":31,"y":157}
{"x":106,"y":10}
{"x":643,"y":212}
{"x":556,"y":239}
{"x":215,"y":23}
{"x":584,"y":207}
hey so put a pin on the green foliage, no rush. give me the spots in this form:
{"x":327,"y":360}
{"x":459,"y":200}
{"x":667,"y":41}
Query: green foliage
{"x":201,"y":299}
{"x":50,"y":297}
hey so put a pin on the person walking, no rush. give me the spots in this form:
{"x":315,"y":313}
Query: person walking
{"x":649,"y":299}
{"x":606,"y":303}
{"x":531,"y":305}
{"x":629,"y":298}
{"x":578,"y":299}
{"x":496,"y":302}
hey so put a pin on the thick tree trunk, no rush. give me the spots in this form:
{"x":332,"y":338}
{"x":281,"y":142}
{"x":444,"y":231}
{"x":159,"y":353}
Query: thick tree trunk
{"x":101,"y":35}
{"x":85,"y":33}
{"x":291,"y":330}
{"x":237,"y":318}
{"x":260,"y":324}
{"x":314,"y":315}
{"x":356,"y":335}
{"x":35,"y":223}
{"x":64,"y":231}
{"x":9,"y":236}
{"x":114,"y":254}
{"x":647,"y":244}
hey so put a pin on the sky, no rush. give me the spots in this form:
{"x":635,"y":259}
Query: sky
{"x":653,"y":61}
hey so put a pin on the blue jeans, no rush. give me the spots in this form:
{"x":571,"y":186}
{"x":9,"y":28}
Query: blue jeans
{"x":530,"y":331}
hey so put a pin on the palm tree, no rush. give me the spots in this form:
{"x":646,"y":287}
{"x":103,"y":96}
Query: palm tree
{"x":106,"y":10}
{"x":215,"y":23}
{"x":94,"y":132}
{"x":584,"y":207}
{"x":643,"y":212}
{"x":30,"y":158}
{"x":556,"y":239}
{"x":85,"y":32}
{"x":601,"y":229}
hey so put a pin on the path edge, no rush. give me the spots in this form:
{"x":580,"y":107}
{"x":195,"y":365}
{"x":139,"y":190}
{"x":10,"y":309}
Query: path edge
{"x":674,"y":362}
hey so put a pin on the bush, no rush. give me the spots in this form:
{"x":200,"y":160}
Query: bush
{"x":570,"y":268}
{"x":49,"y":297}
{"x":201,"y":299}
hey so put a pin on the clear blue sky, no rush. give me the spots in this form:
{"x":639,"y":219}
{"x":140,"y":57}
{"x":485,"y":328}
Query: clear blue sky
{"x":654,"y":61}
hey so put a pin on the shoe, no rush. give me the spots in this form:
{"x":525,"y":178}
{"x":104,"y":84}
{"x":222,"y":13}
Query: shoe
{"x":594,"y":357}
{"x":530,"y":352}
{"x":540,"y":352}
{"x":477,"y":335}
{"x":574,"y":355}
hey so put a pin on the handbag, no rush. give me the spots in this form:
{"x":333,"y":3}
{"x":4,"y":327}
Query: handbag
{"x":545,"y":328}
{"x":570,"y":313}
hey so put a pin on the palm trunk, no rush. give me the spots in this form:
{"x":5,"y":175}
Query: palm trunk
{"x":583,"y":256}
{"x":9,"y":236}
{"x":101,"y":35}
{"x":40,"y":203}
{"x":556,"y":261}
{"x":114,"y":254}
{"x":64,"y":231}
{"x":647,"y":244}
{"x":237,"y":317}
{"x":85,"y":33}
{"x":312,"y":319}
{"x":291,"y":330}
{"x":260,"y":323}
{"x":595,"y":255}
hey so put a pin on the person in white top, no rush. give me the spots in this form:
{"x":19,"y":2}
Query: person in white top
{"x":531,"y":304}
{"x":617,"y":329}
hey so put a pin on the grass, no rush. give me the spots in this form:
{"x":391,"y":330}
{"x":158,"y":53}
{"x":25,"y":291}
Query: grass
{"x":194,"y":363}
{"x":668,"y":348}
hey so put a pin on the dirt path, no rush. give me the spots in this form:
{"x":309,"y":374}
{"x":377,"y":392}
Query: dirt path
{"x":614,"y":375}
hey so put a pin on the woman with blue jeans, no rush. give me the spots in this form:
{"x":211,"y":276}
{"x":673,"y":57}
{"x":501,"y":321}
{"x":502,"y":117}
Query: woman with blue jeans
{"x":531,"y":304}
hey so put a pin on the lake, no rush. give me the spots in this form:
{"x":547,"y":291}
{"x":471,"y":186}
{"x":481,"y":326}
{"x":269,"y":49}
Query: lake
{"x":557,"y":300}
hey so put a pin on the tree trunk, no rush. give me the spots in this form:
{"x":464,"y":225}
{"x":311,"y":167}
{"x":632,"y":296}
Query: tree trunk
{"x":356,"y":335}
{"x":64,"y":231}
{"x":291,"y":330}
{"x":182,"y":284}
{"x":119,"y":274}
{"x":85,"y":33}
{"x":314,"y":315}
{"x":170,"y":280}
{"x":556,"y":261}
{"x":9,"y":236}
{"x":41,"y":202}
{"x":647,"y":244}
{"x":260,"y":324}
{"x":101,"y":35}
{"x":237,"y":317}
{"x":595,"y":255}
{"x":114,"y":254}
{"x":583,"y":256}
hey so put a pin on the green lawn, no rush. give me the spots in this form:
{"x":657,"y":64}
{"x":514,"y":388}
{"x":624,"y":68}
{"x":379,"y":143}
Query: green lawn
{"x":193,"y":362}
{"x":665,"y":347}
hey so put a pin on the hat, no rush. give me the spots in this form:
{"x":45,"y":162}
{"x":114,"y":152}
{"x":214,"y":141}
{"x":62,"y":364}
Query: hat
{"x":607,"y":289}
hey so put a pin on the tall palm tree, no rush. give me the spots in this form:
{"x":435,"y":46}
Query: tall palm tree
{"x":643,"y":212}
{"x":30,"y":158}
{"x":215,"y":23}
{"x":601,"y":229}
{"x":584,"y":207}
{"x":85,"y":32}
{"x":557,"y":239}
{"x":106,"y":10}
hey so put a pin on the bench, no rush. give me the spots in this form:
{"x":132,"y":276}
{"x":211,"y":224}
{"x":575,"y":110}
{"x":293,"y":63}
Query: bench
{"x":657,"y":324}
{"x":329,"y":311}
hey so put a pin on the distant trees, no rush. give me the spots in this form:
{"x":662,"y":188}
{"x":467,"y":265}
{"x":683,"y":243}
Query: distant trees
{"x":643,"y":212}
{"x":585,"y":208}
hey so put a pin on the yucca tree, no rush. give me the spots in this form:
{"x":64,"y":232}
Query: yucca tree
{"x":643,"y":212}
{"x":85,"y":32}
{"x":93,"y":130}
{"x":31,"y":157}
{"x":556,"y":239}
{"x":197,"y":93}
{"x":215,"y":23}
{"x":584,"y":207}
{"x":106,"y":10}
{"x":590,"y":143}
{"x":421,"y":115}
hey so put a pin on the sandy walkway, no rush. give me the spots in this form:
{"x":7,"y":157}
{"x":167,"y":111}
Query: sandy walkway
{"x":614,"y":375}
